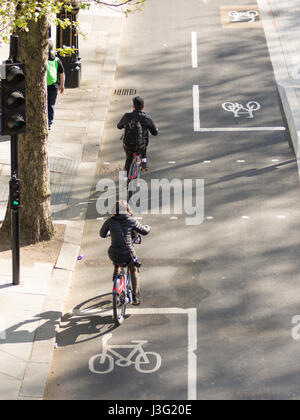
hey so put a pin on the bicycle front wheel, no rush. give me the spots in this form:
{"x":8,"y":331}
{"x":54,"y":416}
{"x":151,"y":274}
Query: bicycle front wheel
{"x":119,"y":308}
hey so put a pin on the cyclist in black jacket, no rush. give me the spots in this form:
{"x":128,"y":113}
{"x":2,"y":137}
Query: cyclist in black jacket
{"x":122,"y":227}
{"x":147,"y":126}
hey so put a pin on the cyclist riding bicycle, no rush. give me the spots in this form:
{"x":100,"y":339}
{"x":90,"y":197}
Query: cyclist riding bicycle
{"x":122,"y":227}
{"x":137,"y":126}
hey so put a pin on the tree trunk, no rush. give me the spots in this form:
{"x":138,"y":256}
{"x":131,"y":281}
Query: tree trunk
{"x":35,"y":216}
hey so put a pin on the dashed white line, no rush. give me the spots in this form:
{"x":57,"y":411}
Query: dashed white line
{"x":194,"y":50}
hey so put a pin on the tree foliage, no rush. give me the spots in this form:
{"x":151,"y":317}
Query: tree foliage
{"x":17,"y":14}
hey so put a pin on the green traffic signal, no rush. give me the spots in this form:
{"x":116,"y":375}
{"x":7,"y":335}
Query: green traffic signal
{"x":14,"y":185}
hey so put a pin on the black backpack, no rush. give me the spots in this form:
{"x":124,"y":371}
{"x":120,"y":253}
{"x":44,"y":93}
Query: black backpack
{"x":133,"y":136}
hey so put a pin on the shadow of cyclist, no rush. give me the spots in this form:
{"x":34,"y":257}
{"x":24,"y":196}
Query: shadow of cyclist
{"x":86,"y":322}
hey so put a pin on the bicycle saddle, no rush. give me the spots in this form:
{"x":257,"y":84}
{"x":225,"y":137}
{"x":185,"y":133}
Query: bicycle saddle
{"x":122,"y":264}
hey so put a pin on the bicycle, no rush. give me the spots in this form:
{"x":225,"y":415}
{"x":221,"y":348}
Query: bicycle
{"x":122,"y":292}
{"x":134,"y":171}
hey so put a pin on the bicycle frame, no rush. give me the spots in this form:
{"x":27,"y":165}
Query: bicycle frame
{"x":121,"y":295}
{"x":121,"y":283}
{"x":135,"y":167}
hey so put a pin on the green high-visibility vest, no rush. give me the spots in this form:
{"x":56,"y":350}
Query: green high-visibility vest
{"x":52,"y":67}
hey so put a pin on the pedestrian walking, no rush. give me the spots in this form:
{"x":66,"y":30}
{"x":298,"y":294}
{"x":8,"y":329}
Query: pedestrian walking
{"x":55,"y":81}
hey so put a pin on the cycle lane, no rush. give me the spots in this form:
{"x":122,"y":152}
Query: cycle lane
{"x":231,"y":256}
{"x":248,"y":313}
{"x":131,"y":362}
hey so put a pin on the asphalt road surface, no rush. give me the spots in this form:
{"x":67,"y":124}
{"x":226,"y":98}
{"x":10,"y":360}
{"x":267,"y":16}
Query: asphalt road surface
{"x":218,"y":297}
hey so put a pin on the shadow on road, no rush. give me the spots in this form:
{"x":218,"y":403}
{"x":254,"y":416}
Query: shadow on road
{"x":89,"y":320}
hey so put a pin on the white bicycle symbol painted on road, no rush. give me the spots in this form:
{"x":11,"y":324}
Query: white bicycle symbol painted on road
{"x":238,"y":109}
{"x":144,"y":362}
{"x":249,"y":16}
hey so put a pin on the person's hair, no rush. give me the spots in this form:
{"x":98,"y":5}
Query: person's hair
{"x":50,"y":44}
{"x":122,"y":207}
{"x":51,"y":50}
{"x":138,"y":103}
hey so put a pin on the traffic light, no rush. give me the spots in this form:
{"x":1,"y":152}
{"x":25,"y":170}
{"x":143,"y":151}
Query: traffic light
{"x":15,"y":195}
{"x":13,"y":110}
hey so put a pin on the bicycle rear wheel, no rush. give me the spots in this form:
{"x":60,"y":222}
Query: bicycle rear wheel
{"x":119,"y":307}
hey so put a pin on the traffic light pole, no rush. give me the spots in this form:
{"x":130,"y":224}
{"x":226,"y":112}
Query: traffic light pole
{"x":15,"y":225}
{"x":13,"y":122}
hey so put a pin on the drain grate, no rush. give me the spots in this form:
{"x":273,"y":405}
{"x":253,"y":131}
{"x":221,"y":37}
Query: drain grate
{"x":125,"y":92}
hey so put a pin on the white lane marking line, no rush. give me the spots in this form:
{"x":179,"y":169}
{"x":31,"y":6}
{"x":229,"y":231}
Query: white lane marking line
{"x":245,"y":217}
{"x":172,"y":161}
{"x":207,"y":130}
{"x":173,"y":218}
{"x":192,"y":358}
{"x":207,"y":161}
{"x":209,"y":217}
{"x":194,"y":50}
{"x":196,"y":106}
{"x":275,"y":160}
{"x":281,"y":216}
{"x":240,"y":161}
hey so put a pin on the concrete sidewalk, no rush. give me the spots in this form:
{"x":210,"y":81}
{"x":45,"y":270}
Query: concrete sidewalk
{"x":281,"y":23}
{"x":30,"y":313}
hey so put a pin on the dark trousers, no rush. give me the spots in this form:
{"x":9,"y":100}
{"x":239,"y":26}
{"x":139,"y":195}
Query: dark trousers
{"x":129,"y":157}
{"x":52,"y":96}
{"x":134,"y":274}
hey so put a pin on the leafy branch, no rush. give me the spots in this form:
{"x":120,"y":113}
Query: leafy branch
{"x":16,"y":14}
